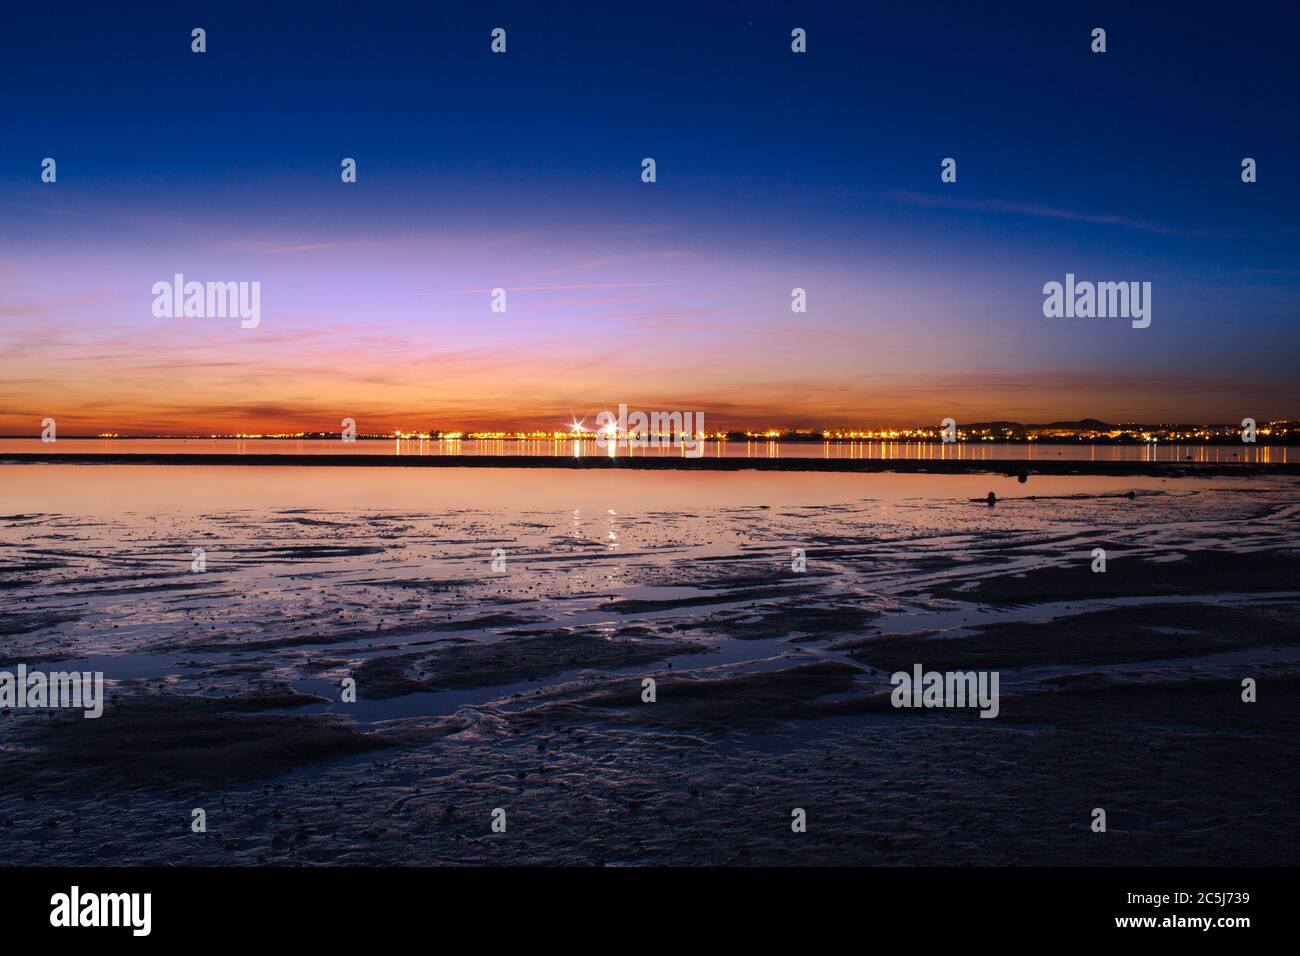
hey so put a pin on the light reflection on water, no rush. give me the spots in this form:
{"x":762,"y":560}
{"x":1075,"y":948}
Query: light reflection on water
{"x":875,"y":450}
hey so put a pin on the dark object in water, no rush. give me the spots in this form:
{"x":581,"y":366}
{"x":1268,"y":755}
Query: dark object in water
{"x":1023,"y":476}
{"x":992,"y":499}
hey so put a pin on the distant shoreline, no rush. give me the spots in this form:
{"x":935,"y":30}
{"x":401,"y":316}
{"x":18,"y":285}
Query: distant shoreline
{"x":1005,"y":466}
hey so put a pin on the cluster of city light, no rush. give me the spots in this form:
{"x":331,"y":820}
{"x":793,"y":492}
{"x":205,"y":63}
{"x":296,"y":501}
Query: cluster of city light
{"x":888,"y":434}
{"x":577,"y":430}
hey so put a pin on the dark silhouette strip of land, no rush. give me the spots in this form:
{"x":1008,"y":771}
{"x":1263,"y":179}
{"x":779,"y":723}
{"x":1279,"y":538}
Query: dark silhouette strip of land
{"x":1004,"y":466}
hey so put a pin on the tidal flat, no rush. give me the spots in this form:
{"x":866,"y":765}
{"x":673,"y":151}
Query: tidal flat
{"x":500,"y":624}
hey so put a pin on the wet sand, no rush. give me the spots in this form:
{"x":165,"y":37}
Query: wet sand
{"x":520,"y":686}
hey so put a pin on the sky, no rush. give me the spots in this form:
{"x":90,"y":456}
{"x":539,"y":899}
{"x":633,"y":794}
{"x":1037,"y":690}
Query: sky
{"x":522,"y":171}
